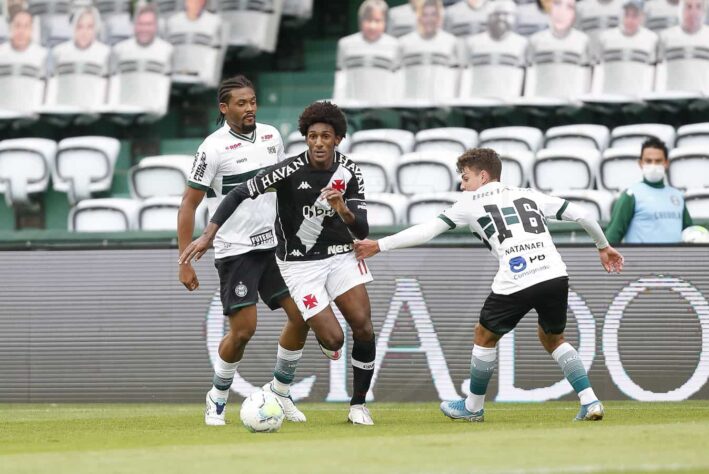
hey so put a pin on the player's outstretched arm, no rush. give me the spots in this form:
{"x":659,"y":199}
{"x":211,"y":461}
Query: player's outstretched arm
{"x":411,"y":237}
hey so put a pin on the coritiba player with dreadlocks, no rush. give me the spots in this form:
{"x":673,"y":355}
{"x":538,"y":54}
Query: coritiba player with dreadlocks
{"x":244,"y":253}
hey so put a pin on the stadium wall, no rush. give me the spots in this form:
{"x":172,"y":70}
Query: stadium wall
{"x":116,"y":325}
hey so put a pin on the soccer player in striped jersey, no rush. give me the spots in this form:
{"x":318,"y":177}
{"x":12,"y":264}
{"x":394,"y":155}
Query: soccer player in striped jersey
{"x":511,"y":222}
{"x":244,"y":246}
{"x":321,"y":210}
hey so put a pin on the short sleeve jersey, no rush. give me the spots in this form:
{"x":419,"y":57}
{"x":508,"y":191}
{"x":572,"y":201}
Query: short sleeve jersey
{"x":226,"y":159}
{"x":511,"y":222}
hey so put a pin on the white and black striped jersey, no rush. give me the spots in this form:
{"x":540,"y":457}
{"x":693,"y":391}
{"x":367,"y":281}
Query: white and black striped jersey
{"x":306,"y":226}
{"x":224,"y":160}
{"x":627,"y":60}
{"x":687,"y":58}
{"x":22,"y":76}
{"x":463,"y":20}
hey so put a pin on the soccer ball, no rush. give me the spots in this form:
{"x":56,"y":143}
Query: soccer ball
{"x":695,"y":234}
{"x":262,"y":412}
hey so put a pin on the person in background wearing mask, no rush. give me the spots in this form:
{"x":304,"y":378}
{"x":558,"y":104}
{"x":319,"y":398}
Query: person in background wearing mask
{"x":650,"y":212}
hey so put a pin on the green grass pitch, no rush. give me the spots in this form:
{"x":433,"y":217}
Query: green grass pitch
{"x":407,"y":438}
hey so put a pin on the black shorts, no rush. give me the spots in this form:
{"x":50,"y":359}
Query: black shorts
{"x":501,"y":313}
{"x":243,"y":277}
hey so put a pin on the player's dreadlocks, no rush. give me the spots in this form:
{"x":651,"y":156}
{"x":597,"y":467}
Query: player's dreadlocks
{"x":323,"y":112}
{"x":481,"y":159}
{"x":225,"y":88}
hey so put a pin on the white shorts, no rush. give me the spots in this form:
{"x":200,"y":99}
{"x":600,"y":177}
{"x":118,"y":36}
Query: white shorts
{"x":314,"y":284}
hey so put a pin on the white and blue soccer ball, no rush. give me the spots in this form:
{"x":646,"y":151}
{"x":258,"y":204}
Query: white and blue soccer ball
{"x":262,"y":412}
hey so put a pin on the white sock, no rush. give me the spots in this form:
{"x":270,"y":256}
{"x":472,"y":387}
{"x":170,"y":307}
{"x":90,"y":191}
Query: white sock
{"x":286,"y":363}
{"x":224,"y":371}
{"x":587,"y":396}
{"x":473,"y":402}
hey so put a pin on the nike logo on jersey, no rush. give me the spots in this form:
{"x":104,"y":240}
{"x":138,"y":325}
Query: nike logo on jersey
{"x":305,"y":185}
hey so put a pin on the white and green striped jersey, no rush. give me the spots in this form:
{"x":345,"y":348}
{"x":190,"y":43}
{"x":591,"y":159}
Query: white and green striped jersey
{"x":226,"y":159}
{"x":511,"y":222}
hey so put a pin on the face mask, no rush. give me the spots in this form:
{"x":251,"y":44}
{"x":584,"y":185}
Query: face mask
{"x":653,"y":173}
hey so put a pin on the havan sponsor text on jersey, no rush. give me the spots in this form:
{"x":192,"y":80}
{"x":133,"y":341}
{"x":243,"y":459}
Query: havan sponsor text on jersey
{"x":226,"y":159}
{"x":511,"y":222}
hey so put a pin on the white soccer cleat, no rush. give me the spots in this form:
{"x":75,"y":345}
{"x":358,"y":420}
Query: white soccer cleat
{"x":590,"y":412}
{"x":359,"y":415}
{"x":214,"y":414}
{"x":289,"y":409}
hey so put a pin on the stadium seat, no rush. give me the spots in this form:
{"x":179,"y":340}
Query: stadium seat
{"x":693,"y":134}
{"x":53,"y":18}
{"x":160,"y":176}
{"x":115,"y":16}
{"x":159,"y":213}
{"x":426,"y":206}
{"x":446,"y":139}
{"x":378,"y":172}
{"x":557,"y":169}
{"x":299,"y":9}
{"x":254,"y":24}
{"x":84,"y":165}
{"x":635,"y":135}
{"x":597,"y":202}
{"x":426,"y":172}
{"x":511,"y":139}
{"x":382,"y":141}
{"x":581,"y":136}
{"x":386,"y":209}
{"x":689,"y":167}
{"x":697,"y":202}
{"x":619,"y":168}
{"x":104,"y":215}
{"x":199,"y":49}
{"x":25,"y":165}
{"x":660,"y":15}
{"x":516,"y":167}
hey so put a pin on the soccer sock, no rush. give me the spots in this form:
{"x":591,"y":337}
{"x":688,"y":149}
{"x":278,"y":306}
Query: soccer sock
{"x":570,"y":362}
{"x":223,"y":377}
{"x":482,"y":366}
{"x":363,"y":355}
{"x":284,"y":372}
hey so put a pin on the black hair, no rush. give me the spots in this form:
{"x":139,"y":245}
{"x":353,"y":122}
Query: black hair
{"x":323,"y":112}
{"x":654,"y":142}
{"x":225,"y":88}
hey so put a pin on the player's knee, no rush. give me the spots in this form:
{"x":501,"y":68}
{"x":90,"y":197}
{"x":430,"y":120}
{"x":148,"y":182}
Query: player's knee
{"x":363,"y":331}
{"x":484,"y":337}
{"x":242,"y":335}
{"x":332,"y":341}
{"x":551,"y":341}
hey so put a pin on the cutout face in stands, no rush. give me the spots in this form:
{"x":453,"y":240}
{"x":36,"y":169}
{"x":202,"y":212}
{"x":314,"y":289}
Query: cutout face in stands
{"x":692,"y":15}
{"x":500,"y":21}
{"x":240,"y":111}
{"x":85,"y":30}
{"x":146,"y":27}
{"x":373,"y":24}
{"x":21,"y":31}
{"x":562,"y":16}
{"x":321,"y":140}
{"x":193,"y":8}
{"x":429,"y":18}
{"x":633,"y":19}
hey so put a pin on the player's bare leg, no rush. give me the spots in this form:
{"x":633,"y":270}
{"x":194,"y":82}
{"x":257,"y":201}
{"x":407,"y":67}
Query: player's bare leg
{"x":242,"y":325}
{"x":568,"y":359}
{"x":482,"y":366}
{"x":290,"y":350}
{"x":355,"y":307}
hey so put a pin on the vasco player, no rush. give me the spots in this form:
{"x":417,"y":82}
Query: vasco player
{"x":321,"y":209}
{"x":511,"y":223}
{"x":244,"y":246}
